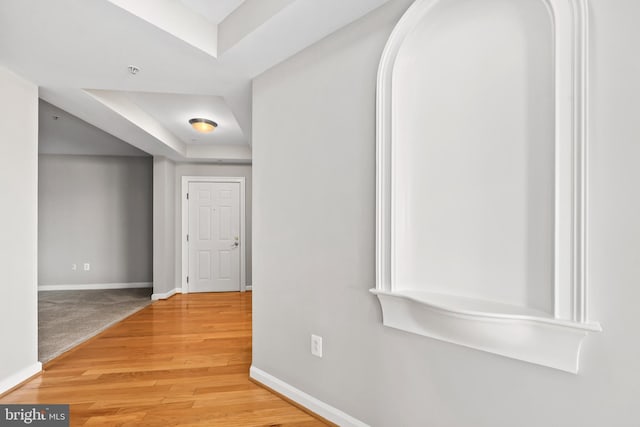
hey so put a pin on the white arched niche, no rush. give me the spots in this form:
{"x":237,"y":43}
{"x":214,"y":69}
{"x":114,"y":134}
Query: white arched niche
{"x":481,"y":177}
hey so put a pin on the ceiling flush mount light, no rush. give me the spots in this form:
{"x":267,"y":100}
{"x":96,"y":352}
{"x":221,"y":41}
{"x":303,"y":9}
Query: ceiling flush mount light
{"x":203,"y":125}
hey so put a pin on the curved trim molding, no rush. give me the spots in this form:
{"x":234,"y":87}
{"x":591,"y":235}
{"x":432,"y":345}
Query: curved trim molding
{"x":549,"y":340}
{"x":541,"y":340}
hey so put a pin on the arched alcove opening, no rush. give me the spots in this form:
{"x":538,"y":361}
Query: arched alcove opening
{"x":481,"y":177}
{"x":473,"y":152}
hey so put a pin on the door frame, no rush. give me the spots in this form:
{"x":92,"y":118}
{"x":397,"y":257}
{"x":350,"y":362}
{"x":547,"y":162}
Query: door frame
{"x":186,"y":180}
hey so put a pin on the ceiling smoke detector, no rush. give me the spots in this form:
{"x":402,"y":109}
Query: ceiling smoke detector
{"x":133,"y":70}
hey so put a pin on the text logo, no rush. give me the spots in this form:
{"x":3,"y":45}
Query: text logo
{"x":34,"y":415}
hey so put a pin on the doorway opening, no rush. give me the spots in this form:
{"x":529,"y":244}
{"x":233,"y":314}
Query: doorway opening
{"x":213,"y":234}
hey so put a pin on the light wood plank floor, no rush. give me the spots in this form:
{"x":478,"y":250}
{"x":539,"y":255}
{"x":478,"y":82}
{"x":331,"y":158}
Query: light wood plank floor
{"x":179,"y":362}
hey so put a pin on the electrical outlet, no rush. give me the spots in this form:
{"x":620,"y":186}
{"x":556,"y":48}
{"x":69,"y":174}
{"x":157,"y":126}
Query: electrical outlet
{"x":316,"y":345}
{"x":74,"y":267}
{"x":87,"y":266}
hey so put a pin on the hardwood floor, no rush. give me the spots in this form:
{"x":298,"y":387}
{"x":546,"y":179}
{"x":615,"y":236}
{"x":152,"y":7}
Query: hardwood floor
{"x":179,"y":362}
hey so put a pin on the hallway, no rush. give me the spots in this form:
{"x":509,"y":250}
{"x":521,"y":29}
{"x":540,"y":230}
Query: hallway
{"x":182,"y":361}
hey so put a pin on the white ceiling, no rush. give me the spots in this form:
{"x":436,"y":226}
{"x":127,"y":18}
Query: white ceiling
{"x":215,"y":11}
{"x":78,"y":53}
{"x":174,"y":112}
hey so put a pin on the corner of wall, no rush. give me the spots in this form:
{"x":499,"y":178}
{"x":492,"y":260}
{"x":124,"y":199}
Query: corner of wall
{"x":18,"y":225}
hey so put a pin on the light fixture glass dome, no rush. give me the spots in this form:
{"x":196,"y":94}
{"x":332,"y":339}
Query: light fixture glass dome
{"x":203,"y":125}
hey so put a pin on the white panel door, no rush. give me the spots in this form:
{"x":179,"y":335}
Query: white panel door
{"x":214,"y":237}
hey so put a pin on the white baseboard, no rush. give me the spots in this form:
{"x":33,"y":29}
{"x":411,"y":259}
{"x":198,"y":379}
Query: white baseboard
{"x":316,"y":406}
{"x":248,"y":288}
{"x":95,"y":286}
{"x":20,"y":376}
{"x":166,"y":295}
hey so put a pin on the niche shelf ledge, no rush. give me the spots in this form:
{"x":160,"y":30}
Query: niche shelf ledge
{"x":510,"y":331}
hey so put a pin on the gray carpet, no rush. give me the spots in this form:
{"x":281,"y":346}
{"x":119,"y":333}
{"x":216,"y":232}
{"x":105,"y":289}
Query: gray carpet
{"x":67,"y":318}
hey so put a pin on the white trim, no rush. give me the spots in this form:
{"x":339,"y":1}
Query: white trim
{"x":166,"y":295}
{"x":185,"y":225}
{"x":570,"y":27}
{"x":95,"y":286}
{"x":20,"y":376}
{"x":545,"y":341}
{"x":316,"y":406}
{"x":249,"y":287}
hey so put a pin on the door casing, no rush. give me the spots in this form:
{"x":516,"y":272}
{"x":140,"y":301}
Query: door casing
{"x":185,"y":226}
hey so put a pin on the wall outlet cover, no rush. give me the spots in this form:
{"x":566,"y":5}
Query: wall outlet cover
{"x":316,"y":345}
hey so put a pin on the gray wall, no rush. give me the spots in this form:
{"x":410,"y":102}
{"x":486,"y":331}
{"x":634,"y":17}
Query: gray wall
{"x":95,"y":209}
{"x":314,"y":195}
{"x":164,"y":254}
{"x":201,"y":169}
{"x":18,"y":229}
